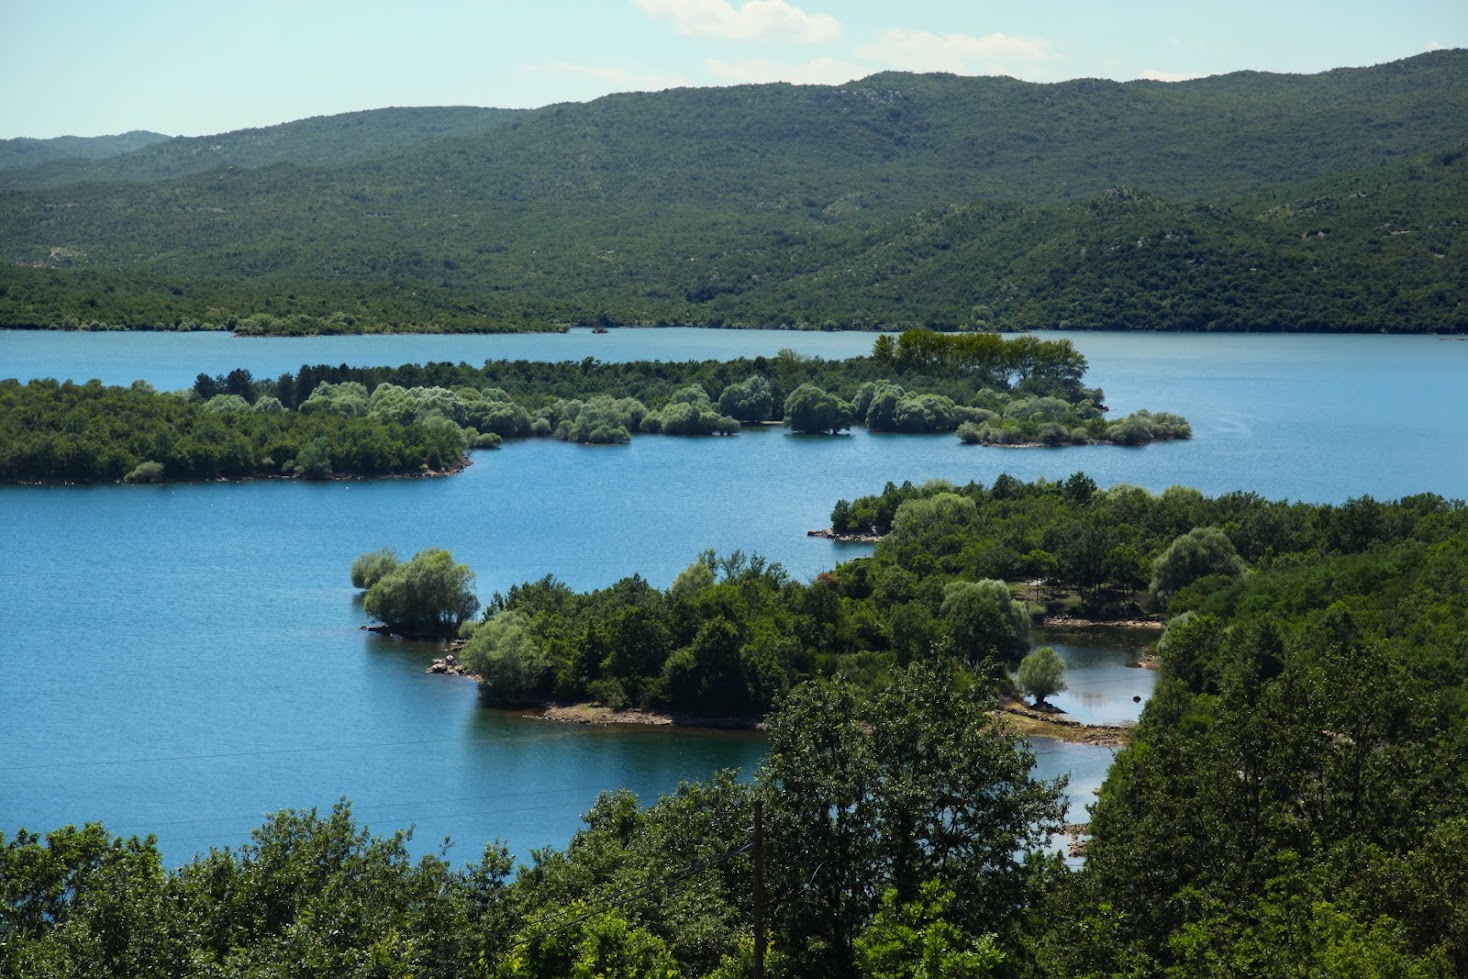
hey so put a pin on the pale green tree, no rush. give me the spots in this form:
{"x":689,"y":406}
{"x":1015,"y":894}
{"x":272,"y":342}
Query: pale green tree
{"x":1041,"y":674}
{"x":428,"y":596}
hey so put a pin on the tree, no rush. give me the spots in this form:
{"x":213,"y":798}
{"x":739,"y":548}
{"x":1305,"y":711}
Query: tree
{"x":749,"y":401}
{"x":314,"y":459}
{"x":814,"y":411}
{"x":918,"y":941}
{"x":1200,"y":552}
{"x":373,"y":566}
{"x":1041,"y":673}
{"x":512,"y":665}
{"x":578,"y":942}
{"x":428,"y":596}
{"x":984,"y":620}
{"x":918,"y":783}
{"x":80,"y":901}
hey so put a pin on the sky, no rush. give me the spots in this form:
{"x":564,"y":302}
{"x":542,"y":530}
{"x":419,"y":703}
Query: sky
{"x":197,"y":67}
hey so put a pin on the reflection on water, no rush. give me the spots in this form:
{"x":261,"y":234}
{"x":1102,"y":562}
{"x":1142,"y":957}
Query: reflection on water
{"x":1104,"y":684}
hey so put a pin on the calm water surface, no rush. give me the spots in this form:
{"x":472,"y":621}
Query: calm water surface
{"x":183,"y":659}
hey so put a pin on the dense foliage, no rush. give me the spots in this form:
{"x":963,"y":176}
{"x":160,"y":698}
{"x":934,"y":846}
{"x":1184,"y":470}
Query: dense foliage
{"x":324,"y":421}
{"x":1290,"y":804}
{"x":1327,"y":202}
{"x":71,"y":432}
{"x":989,"y":389}
{"x":929,"y":820}
{"x":427,"y":597}
{"x":733,"y":633}
{"x":1293,"y":801}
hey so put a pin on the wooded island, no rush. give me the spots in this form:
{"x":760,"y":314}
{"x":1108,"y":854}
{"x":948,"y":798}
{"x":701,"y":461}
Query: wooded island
{"x":379,"y":421}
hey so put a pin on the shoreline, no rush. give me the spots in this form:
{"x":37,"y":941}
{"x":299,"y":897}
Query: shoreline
{"x":1074,"y":622}
{"x":826,"y":533}
{"x":1027,"y":721}
{"x":1018,"y":717}
{"x":453,"y":470}
{"x":599,"y":715}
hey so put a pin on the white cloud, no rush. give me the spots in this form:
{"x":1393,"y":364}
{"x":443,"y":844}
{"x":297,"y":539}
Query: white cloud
{"x":961,"y":54}
{"x":755,"y":20}
{"x":818,"y":71}
{"x":1153,"y":75}
{"x":1436,"y":46}
{"x":625,"y":79}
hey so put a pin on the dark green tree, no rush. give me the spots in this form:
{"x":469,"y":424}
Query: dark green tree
{"x":811,"y":410}
{"x":373,"y":566}
{"x":1201,"y":552}
{"x":750,"y":401}
{"x":984,"y":620}
{"x":917,"y":783}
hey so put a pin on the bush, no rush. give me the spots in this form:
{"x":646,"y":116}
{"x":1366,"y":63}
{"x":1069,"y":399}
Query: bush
{"x":145,"y":472}
{"x":512,"y":666}
{"x":1201,"y":552}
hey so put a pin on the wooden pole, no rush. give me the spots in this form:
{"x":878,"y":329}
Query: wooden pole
{"x":759,"y":889}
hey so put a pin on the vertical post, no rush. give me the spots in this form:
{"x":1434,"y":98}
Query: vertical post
{"x":759,"y":889}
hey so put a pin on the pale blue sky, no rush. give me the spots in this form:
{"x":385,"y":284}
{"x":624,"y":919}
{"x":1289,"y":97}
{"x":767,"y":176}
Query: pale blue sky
{"x":191,"y":67}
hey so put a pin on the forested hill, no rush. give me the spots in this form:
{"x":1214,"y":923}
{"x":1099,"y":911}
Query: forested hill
{"x":1246,"y":201}
{"x":16,"y":154}
{"x":319,"y":141}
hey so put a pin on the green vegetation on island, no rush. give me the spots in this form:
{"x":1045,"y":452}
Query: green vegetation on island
{"x":429,"y":597}
{"x":962,"y":571}
{"x":1291,"y":802}
{"x":1326,"y":202}
{"x":67,"y":432}
{"x":379,"y":421}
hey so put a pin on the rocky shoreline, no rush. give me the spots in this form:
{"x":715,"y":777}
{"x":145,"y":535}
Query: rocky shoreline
{"x":1030,"y":721}
{"x":601,"y":715}
{"x":826,"y":533}
{"x":1071,"y":622}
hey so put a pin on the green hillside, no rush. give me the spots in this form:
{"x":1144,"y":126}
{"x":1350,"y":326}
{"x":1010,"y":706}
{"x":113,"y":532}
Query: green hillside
{"x":17,"y":154}
{"x":1245,"y":201}
{"x":319,"y":141}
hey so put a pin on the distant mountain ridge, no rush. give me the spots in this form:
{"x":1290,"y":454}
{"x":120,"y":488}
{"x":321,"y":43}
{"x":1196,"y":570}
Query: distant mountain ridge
{"x":318,"y":141}
{"x":24,"y":152}
{"x":895,"y":200}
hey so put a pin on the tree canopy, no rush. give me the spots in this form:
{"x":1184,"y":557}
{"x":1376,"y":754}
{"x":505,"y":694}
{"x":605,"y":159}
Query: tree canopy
{"x":427,"y":596}
{"x":1041,"y":673}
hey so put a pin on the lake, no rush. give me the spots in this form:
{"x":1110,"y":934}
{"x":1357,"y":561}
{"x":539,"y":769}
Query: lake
{"x":182,"y":659}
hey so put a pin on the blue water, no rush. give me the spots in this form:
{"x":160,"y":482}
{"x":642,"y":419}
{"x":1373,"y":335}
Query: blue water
{"x":182,"y":659}
{"x":1104,"y":683}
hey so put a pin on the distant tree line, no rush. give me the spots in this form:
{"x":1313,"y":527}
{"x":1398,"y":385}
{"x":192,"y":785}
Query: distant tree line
{"x":986,"y":388}
{"x":52,"y":432}
{"x":373,"y":421}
